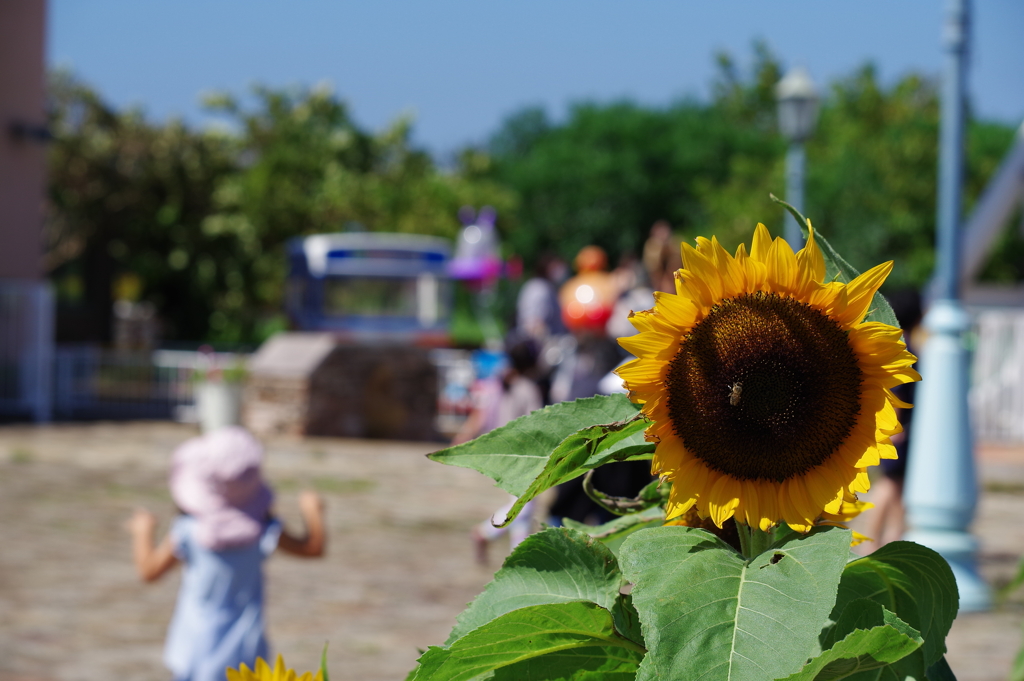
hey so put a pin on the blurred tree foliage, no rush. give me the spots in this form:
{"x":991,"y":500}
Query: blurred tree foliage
{"x":607,"y":172}
{"x":196,"y":221}
{"x":310,"y":170}
{"x":129,"y":198}
{"x":200,"y":219}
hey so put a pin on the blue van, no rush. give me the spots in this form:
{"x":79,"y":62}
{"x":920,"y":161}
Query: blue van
{"x":371,"y":285}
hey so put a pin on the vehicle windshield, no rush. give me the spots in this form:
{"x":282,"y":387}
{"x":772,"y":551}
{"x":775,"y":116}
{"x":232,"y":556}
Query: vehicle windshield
{"x":370,"y":296}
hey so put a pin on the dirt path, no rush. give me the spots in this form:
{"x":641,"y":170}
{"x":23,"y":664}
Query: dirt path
{"x":398,"y":571}
{"x":399,"y":565}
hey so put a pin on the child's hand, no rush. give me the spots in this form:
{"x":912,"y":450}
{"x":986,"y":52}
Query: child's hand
{"x":310,"y":503}
{"x":142,"y":523}
{"x":312,"y":545}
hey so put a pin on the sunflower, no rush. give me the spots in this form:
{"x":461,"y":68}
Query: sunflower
{"x":264,"y":673}
{"x":768,"y":393}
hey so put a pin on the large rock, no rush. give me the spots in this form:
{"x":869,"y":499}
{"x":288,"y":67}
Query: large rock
{"x":305,"y":383}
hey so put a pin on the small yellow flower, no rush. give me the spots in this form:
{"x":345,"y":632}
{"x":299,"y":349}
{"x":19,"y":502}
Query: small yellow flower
{"x":264,"y":673}
{"x":769,"y":394}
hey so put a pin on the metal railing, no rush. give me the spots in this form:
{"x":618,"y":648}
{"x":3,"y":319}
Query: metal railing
{"x":97,"y":383}
{"x":26,"y":348}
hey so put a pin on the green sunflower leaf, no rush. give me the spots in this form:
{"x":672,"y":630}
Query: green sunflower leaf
{"x":940,"y":671}
{"x":837,"y":269}
{"x":552,"y":445}
{"x":585,"y":450}
{"x":580,"y":636}
{"x":707,"y":613}
{"x":863,"y":649}
{"x":582,"y":664}
{"x":909,"y":580}
{"x":557,"y":565}
{"x":614,"y":532}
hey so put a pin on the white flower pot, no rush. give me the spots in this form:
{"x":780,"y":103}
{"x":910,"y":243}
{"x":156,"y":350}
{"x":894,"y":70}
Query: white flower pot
{"x":218,"y":404}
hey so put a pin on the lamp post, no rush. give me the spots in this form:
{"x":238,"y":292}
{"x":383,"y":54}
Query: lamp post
{"x":798,"y":113}
{"x":941,"y":487}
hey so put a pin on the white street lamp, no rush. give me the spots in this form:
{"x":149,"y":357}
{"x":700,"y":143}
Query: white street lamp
{"x":798,"y":113}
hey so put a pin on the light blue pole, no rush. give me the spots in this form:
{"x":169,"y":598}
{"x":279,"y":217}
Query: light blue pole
{"x":941,"y":486}
{"x":796,"y":159}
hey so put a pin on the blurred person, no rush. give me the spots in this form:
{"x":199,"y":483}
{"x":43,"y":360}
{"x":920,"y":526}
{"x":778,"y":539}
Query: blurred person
{"x":634,"y":283}
{"x":538,"y":314}
{"x":587,"y":298}
{"x":223,"y":534}
{"x":500,"y":399}
{"x":587,"y":301}
{"x":662,"y":257}
{"x":596,"y":355}
{"x":887,"y":521}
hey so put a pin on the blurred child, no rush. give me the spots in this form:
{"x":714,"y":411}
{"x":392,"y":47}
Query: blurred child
{"x":225,"y":531}
{"x":500,"y":399}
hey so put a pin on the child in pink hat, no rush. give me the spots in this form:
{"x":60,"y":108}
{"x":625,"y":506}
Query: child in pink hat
{"x":225,"y":531}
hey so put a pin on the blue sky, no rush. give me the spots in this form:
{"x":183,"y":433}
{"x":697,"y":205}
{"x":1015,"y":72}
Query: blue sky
{"x":461,"y":66}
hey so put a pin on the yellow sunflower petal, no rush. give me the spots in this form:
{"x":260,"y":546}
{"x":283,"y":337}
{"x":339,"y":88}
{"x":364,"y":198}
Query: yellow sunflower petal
{"x":714,"y":336}
{"x":678,"y":311}
{"x":690,"y":285}
{"x":782,"y":267}
{"x":677,"y":504}
{"x":895,"y":401}
{"x":754,"y":272}
{"x":861,"y":290}
{"x":802,"y":528}
{"x":801,"y":502}
{"x":827,"y":487}
{"x":724,"y":498}
{"x":697,"y":475}
{"x":754,"y":507}
{"x":650,"y":344}
{"x":859,"y":538}
{"x":768,"y":505}
{"x":761,"y":243}
{"x":861,"y":484}
{"x":810,"y":258}
{"x":640,"y":371}
{"x":703,"y":269}
{"x":733,"y":279}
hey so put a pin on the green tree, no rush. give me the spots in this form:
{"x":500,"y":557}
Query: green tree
{"x":607,"y":172}
{"x":128,"y":198}
{"x":310,"y":169}
{"x":197,"y":220}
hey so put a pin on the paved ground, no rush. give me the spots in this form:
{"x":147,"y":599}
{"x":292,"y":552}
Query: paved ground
{"x":399,"y":566}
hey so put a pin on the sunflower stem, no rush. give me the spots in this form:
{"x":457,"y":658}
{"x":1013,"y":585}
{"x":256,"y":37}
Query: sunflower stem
{"x":753,"y":542}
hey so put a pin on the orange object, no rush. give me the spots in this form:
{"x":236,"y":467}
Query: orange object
{"x":591,"y":259}
{"x":587,"y":301}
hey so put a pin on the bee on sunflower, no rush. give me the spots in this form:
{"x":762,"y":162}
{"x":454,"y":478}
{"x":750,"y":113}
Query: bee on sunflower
{"x":768,"y":393}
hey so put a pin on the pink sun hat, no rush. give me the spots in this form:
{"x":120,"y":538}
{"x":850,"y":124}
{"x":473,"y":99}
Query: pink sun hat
{"x":216,"y":479}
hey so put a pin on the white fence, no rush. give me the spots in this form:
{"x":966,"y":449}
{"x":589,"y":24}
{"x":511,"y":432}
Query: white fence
{"x":997,"y":385}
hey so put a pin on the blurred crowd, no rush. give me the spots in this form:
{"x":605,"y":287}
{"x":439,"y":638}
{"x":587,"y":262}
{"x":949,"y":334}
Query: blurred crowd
{"x":563,"y":347}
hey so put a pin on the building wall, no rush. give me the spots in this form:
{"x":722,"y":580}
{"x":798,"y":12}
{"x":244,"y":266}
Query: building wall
{"x":22,"y":159}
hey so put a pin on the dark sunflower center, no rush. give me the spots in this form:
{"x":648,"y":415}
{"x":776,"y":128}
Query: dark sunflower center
{"x":764,"y":387}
